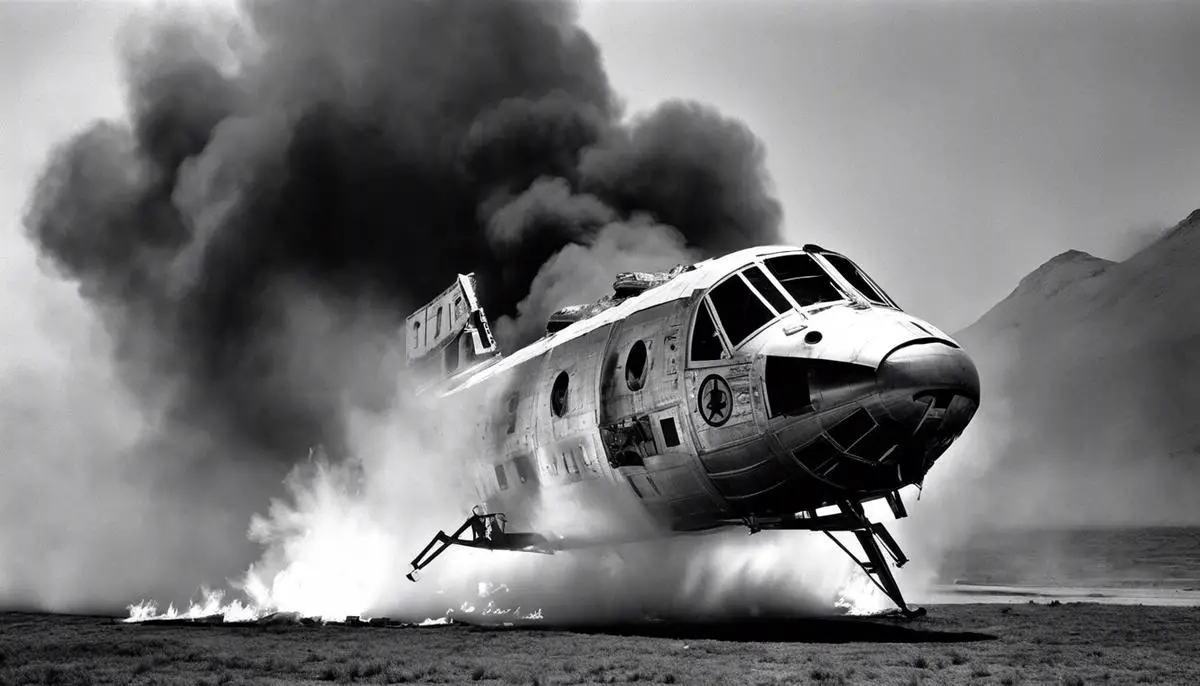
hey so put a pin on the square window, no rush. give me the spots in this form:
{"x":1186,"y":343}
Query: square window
{"x":670,"y":434}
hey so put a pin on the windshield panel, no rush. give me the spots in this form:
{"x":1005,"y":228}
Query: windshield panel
{"x":706,"y":343}
{"x":767,"y":289}
{"x":804,"y":279}
{"x":740,"y":311}
{"x":857,"y":278}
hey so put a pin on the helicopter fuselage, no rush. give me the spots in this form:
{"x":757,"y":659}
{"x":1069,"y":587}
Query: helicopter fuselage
{"x":758,"y":386}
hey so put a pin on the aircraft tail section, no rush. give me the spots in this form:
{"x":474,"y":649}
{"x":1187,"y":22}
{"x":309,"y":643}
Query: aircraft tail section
{"x":450,"y":334}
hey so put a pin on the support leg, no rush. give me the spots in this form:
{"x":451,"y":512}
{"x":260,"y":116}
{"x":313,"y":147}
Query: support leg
{"x":876,"y":566}
{"x":424,"y":558}
{"x":441,"y":541}
{"x":487,"y":533}
{"x":882,"y":571}
{"x":889,"y":543}
{"x":869,"y":534}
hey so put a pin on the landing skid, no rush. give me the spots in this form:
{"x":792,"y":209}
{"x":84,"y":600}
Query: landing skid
{"x":487,"y":532}
{"x":869,"y":534}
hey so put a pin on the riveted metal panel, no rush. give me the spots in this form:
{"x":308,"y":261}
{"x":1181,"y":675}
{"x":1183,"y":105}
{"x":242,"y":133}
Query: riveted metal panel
{"x":652,"y":327}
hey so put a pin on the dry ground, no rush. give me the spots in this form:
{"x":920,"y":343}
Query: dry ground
{"x":1072,"y":643}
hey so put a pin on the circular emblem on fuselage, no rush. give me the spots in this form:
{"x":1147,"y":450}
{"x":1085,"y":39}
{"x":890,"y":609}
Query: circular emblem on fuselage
{"x":716,"y":400}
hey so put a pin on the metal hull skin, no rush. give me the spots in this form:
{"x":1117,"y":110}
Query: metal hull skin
{"x":843,"y":401}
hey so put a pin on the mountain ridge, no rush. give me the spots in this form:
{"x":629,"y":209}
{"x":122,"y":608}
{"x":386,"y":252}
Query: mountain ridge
{"x":1091,"y":382}
{"x":1063,"y":271}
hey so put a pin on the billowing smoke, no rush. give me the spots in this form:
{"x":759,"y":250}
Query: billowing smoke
{"x":579,"y":271}
{"x":291,"y":179}
{"x":366,"y":153}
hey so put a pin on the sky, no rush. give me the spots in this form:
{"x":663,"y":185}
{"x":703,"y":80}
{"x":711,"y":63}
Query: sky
{"x":950,"y":148}
{"x":58,"y":71}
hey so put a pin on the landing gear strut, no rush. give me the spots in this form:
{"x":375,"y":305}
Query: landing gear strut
{"x":869,"y":534}
{"x":877,"y":568}
{"x":487,"y":532}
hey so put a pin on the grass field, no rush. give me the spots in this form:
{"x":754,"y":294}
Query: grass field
{"x":1070,"y":643}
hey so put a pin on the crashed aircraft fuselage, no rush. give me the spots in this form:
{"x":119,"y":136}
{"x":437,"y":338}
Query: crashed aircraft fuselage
{"x":750,"y":389}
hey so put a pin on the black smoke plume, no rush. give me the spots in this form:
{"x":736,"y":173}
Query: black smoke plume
{"x":359,"y":153}
{"x":367,"y":152}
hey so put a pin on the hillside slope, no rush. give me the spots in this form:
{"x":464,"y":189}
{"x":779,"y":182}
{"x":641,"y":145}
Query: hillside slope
{"x":1091,"y":378}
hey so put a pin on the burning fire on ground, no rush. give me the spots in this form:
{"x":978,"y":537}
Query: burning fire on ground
{"x":340,"y":564}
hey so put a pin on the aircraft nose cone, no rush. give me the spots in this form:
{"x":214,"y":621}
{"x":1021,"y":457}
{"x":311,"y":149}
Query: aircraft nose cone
{"x":929,"y":367}
{"x":915,"y":378}
{"x":931,"y":392}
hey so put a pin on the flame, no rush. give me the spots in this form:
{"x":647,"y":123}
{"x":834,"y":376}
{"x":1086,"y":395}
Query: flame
{"x":331,"y":553}
{"x":336,"y":559}
{"x":210,"y":606}
{"x":486,"y":591}
{"x":440,"y":621}
{"x":860,"y":596}
{"x":236,"y":611}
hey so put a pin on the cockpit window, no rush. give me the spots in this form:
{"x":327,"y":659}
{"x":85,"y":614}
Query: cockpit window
{"x":769,"y":290}
{"x":804,"y":279}
{"x":706,"y":344}
{"x":739,"y":310}
{"x":861,"y":282}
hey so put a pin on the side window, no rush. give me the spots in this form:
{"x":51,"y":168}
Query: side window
{"x":787,"y":386}
{"x":437,"y":332}
{"x":501,"y":477}
{"x":416,"y":333}
{"x":558,"y":394}
{"x":858,"y":279}
{"x":635,"y":366}
{"x":670,"y":434}
{"x":706,"y":344}
{"x":740,"y":311}
{"x":769,"y":290}
{"x":804,"y":279}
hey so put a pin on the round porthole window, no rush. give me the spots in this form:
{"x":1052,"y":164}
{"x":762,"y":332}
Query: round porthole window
{"x":635,"y":366}
{"x":558,"y":395}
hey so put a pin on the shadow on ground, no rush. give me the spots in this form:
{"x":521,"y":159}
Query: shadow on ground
{"x":877,"y":629}
{"x":806,"y":630}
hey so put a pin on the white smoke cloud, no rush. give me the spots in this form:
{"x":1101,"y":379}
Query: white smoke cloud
{"x":340,"y":544}
{"x":89,"y":493}
{"x":581,"y":273}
